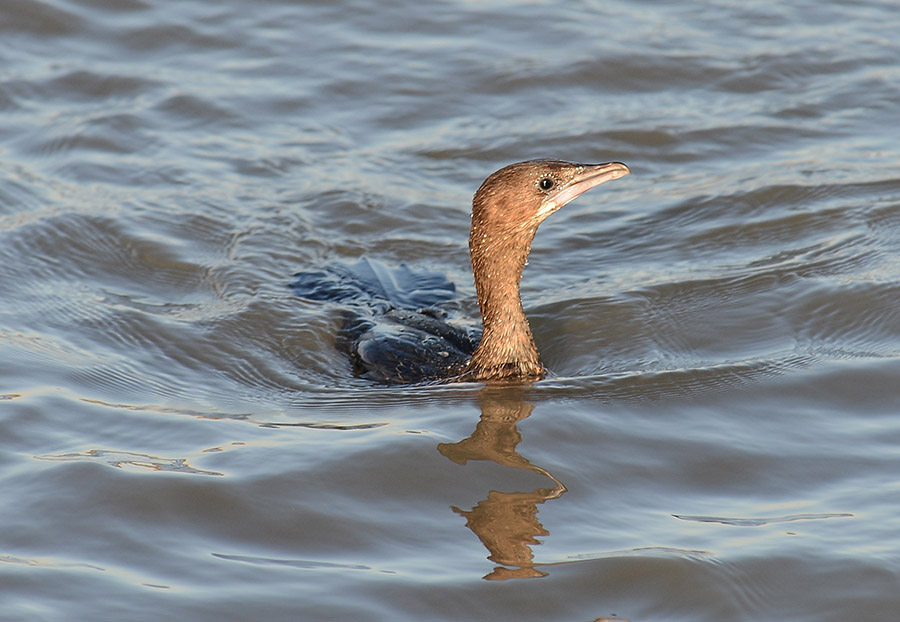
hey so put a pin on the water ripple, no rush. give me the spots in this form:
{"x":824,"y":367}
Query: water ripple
{"x":760,"y":522}
{"x":301,"y":564}
{"x":130,"y":460}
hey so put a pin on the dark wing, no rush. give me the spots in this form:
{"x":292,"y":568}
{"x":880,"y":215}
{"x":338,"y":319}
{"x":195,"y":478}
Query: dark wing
{"x":392,"y":329}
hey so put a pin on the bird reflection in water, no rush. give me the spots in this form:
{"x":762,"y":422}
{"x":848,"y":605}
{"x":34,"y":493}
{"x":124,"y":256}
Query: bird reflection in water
{"x":506,"y":522}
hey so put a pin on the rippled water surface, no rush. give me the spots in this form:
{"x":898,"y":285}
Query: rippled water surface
{"x":719,"y":441}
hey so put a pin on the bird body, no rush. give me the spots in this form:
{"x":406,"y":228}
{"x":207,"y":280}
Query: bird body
{"x":401,"y":343}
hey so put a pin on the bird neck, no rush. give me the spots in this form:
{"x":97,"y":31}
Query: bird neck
{"x":507,"y":348}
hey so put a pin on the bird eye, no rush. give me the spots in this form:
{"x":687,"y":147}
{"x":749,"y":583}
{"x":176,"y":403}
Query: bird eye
{"x":546,"y":183}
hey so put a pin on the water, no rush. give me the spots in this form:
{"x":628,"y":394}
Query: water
{"x":180,"y":438}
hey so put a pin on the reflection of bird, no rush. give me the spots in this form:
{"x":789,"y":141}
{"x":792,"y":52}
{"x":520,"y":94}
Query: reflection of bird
{"x":396,"y":343}
{"x":495,"y":436}
{"x":506,"y":522}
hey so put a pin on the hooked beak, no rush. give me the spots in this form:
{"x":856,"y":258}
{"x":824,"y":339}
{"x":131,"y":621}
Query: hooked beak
{"x":590,"y":176}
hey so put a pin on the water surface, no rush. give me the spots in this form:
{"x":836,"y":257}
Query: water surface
{"x":180,"y":437}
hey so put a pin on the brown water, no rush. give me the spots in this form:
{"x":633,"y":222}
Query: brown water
{"x":179,"y":439}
